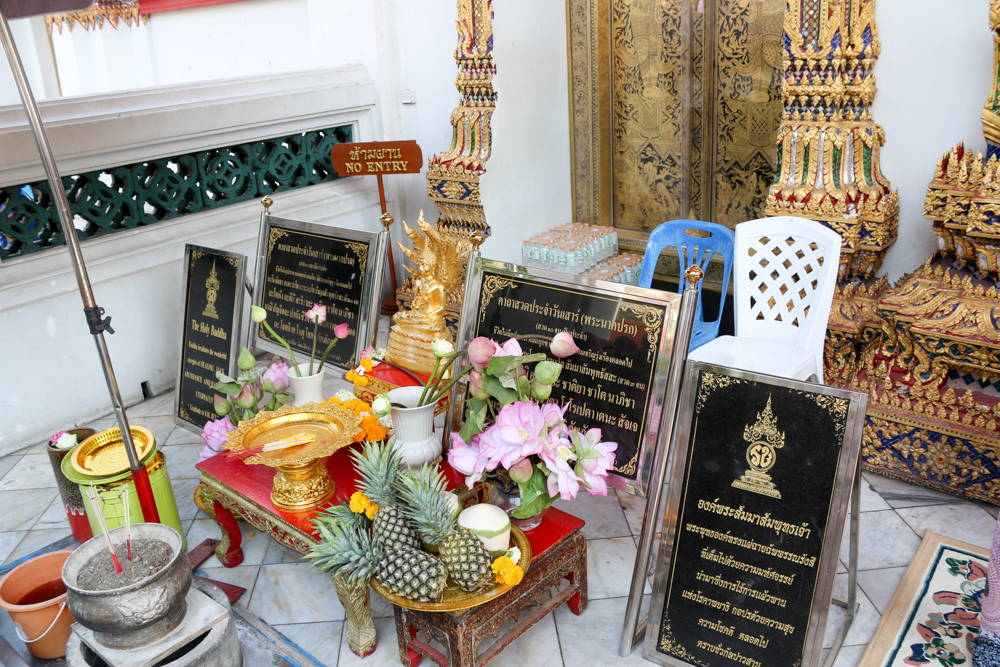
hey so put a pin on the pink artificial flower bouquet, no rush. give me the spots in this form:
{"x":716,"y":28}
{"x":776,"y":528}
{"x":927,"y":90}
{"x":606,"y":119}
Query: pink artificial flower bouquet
{"x":528,"y":437}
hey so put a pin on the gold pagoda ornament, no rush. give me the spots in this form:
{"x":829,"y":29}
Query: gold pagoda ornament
{"x":828,"y":156}
{"x":437,"y":274}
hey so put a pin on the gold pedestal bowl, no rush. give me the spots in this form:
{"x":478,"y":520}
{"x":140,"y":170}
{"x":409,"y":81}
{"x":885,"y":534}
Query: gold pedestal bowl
{"x":301,"y":481}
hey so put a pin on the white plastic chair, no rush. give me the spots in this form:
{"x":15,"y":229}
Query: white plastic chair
{"x":785,"y":272}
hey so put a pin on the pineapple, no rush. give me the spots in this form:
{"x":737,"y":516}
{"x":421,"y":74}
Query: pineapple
{"x":346,"y":546}
{"x":412,"y":573}
{"x":379,"y":467}
{"x":426,"y":506}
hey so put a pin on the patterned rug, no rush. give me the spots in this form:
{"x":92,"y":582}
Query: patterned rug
{"x":934,"y":614}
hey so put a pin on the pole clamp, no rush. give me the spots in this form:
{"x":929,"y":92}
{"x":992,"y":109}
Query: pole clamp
{"x":96,"y":320}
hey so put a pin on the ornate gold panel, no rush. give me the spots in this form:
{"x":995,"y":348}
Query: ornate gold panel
{"x":646,"y":145}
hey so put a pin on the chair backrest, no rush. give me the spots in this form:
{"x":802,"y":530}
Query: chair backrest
{"x":786,"y":272}
{"x":692,"y":249}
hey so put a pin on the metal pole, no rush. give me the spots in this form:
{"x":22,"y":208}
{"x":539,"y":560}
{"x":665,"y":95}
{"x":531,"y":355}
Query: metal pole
{"x":633,"y":630}
{"x":95,"y":315}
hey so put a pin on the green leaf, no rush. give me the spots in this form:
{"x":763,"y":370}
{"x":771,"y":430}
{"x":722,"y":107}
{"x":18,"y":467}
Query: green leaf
{"x":534,"y":496}
{"x":501,"y":365}
{"x":229,"y":388}
{"x":493,"y":386}
{"x":284,"y":398}
{"x":469,"y":429}
{"x":507,"y":380}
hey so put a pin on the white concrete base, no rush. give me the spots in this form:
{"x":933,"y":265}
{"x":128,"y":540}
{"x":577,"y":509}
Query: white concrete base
{"x":203,"y":615}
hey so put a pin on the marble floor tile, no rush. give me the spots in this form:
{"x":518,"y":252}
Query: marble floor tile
{"x":276,"y":553}
{"x":181,"y":460}
{"x":993,"y":510}
{"x":634,"y":508}
{"x":22,"y":508}
{"x":885,"y":541}
{"x":592,"y":637}
{"x":8,"y":462}
{"x":244,"y":576}
{"x":183,"y":436}
{"x":904,"y":494}
{"x":54,"y":517}
{"x":35,"y":540}
{"x":156,"y":406}
{"x":871,"y":501}
{"x":161,"y":427}
{"x":184,"y":497}
{"x":609,"y":567}
{"x":9,"y":541}
{"x":386,"y":648}
{"x":865,"y":620}
{"x":253,"y":547}
{"x":880,"y":585}
{"x":294,"y":593}
{"x":319,"y":640}
{"x":33,"y":471}
{"x":603,"y":515}
{"x":966,"y":521}
{"x":849,"y":656}
{"x":538,"y":646}
{"x":381,"y":607}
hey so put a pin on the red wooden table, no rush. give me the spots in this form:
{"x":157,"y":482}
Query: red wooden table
{"x":559,"y":551}
{"x":231,"y":489}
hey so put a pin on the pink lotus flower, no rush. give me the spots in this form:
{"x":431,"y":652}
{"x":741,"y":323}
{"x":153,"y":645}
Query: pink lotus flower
{"x":481,"y":350}
{"x":511,"y":348}
{"x":341,"y":331}
{"x":277,"y":373}
{"x":56,"y":436}
{"x":214,"y":435}
{"x":521,"y":471}
{"x":469,"y":459}
{"x":516,"y":433}
{"x":316,"y":314}
{"x":596,"y":458}
{"x":476,"y":386}
{"x":554,"y":415}
{"x":563,"y":345}
{"x":559,"y":458}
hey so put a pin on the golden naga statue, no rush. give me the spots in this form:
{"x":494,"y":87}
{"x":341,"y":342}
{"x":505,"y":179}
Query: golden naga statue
{"x":437,"y":272}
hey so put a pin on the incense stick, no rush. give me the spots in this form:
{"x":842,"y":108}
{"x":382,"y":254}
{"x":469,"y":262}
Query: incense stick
{"x":127,"y":503}
{"x":293,"y":441}
{"x":99,"y":510}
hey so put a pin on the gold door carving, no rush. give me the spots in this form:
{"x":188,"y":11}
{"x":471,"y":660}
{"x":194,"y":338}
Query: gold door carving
{"x":664,"y":152}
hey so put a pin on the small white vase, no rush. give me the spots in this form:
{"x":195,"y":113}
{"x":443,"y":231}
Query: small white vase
{"x":414,"y":427}
{"x":308,"y":388}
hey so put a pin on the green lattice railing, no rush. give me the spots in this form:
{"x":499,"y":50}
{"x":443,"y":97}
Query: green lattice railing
{"x":134,"y":195}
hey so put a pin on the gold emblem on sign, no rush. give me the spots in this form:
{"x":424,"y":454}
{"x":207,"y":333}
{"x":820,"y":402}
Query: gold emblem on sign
{"x":212,"y":284}
{"x":765,"y":439}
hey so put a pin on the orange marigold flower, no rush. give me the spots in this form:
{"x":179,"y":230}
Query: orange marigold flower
{"x":370,"y":512}
{"x":506,"y":571}
{"x":373,"y":428}
{"x":333,"y":401}
{"x":359,"y":502}
{"x":368,"y":365}
{"x":358,"y":380}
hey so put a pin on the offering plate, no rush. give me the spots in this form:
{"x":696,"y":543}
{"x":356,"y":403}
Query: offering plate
{"x":103,"y":454}
{"x":301,"y":481}
{"x":454,"y":598}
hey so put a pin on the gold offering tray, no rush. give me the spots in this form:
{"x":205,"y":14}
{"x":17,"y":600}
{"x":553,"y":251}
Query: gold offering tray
{"x":103,"y":454}
{"x":332,"y":426}
{"x":454,"y":598}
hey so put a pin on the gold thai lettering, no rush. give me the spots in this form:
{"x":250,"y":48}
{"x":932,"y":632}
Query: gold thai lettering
{"x":763,"y":520}
{"x":727,"y":630}
{"x":740,"y":588}
{"x":728,"y":561}
{"x":735,"y":656}
{"x":751,"y":545}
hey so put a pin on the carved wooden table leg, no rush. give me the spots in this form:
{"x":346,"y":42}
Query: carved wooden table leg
{"x":229,"y":552}
{"x":578,"y":577}
{"x":360,"y":628}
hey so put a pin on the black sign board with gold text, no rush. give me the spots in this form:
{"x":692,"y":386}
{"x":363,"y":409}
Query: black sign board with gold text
{"x":213,"y":308}
{"x":301,"y":264}
{"x":761,"y":478}
{"x":625,"y":334}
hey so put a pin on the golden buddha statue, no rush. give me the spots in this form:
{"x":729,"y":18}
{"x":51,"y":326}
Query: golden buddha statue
{"x":437,"y":273}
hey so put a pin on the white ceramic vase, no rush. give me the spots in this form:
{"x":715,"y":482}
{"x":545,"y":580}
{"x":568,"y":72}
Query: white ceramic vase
{"x":414,"y":427}
{"x":308,"y":388}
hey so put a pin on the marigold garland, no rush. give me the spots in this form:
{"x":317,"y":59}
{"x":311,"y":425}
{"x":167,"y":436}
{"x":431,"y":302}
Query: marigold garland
{"x":506,"y":572}
{"x":372,"y":429}
{"x":370,"y":510}
{"x":358,"y":380}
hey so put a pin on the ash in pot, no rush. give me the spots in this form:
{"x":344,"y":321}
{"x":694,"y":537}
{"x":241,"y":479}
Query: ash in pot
{"x":148,"y":558}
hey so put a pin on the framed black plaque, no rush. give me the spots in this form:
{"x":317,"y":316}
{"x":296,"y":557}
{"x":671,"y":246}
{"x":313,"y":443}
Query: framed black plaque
{"x":762,"y":472}
{"x":210,"y":335}
{"x":617,"y":381}
{"x":300,"y":264}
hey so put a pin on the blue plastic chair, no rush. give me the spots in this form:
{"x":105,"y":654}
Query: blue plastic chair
{"x":692,"y":250}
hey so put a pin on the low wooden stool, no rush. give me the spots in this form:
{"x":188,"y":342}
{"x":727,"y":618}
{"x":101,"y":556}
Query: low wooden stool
{"x":559,"y":551}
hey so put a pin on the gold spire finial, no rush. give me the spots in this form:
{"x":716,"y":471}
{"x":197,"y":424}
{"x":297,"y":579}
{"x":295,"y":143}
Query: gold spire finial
{"x":693,"y":274}
{"x":386,"y":219}
{"x":266,"y":203}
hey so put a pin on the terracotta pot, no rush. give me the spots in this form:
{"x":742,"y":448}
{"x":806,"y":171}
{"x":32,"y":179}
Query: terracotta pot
{"x":308,"y":388}
{"x":44,"y":625}
{"x":414,"y":427}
